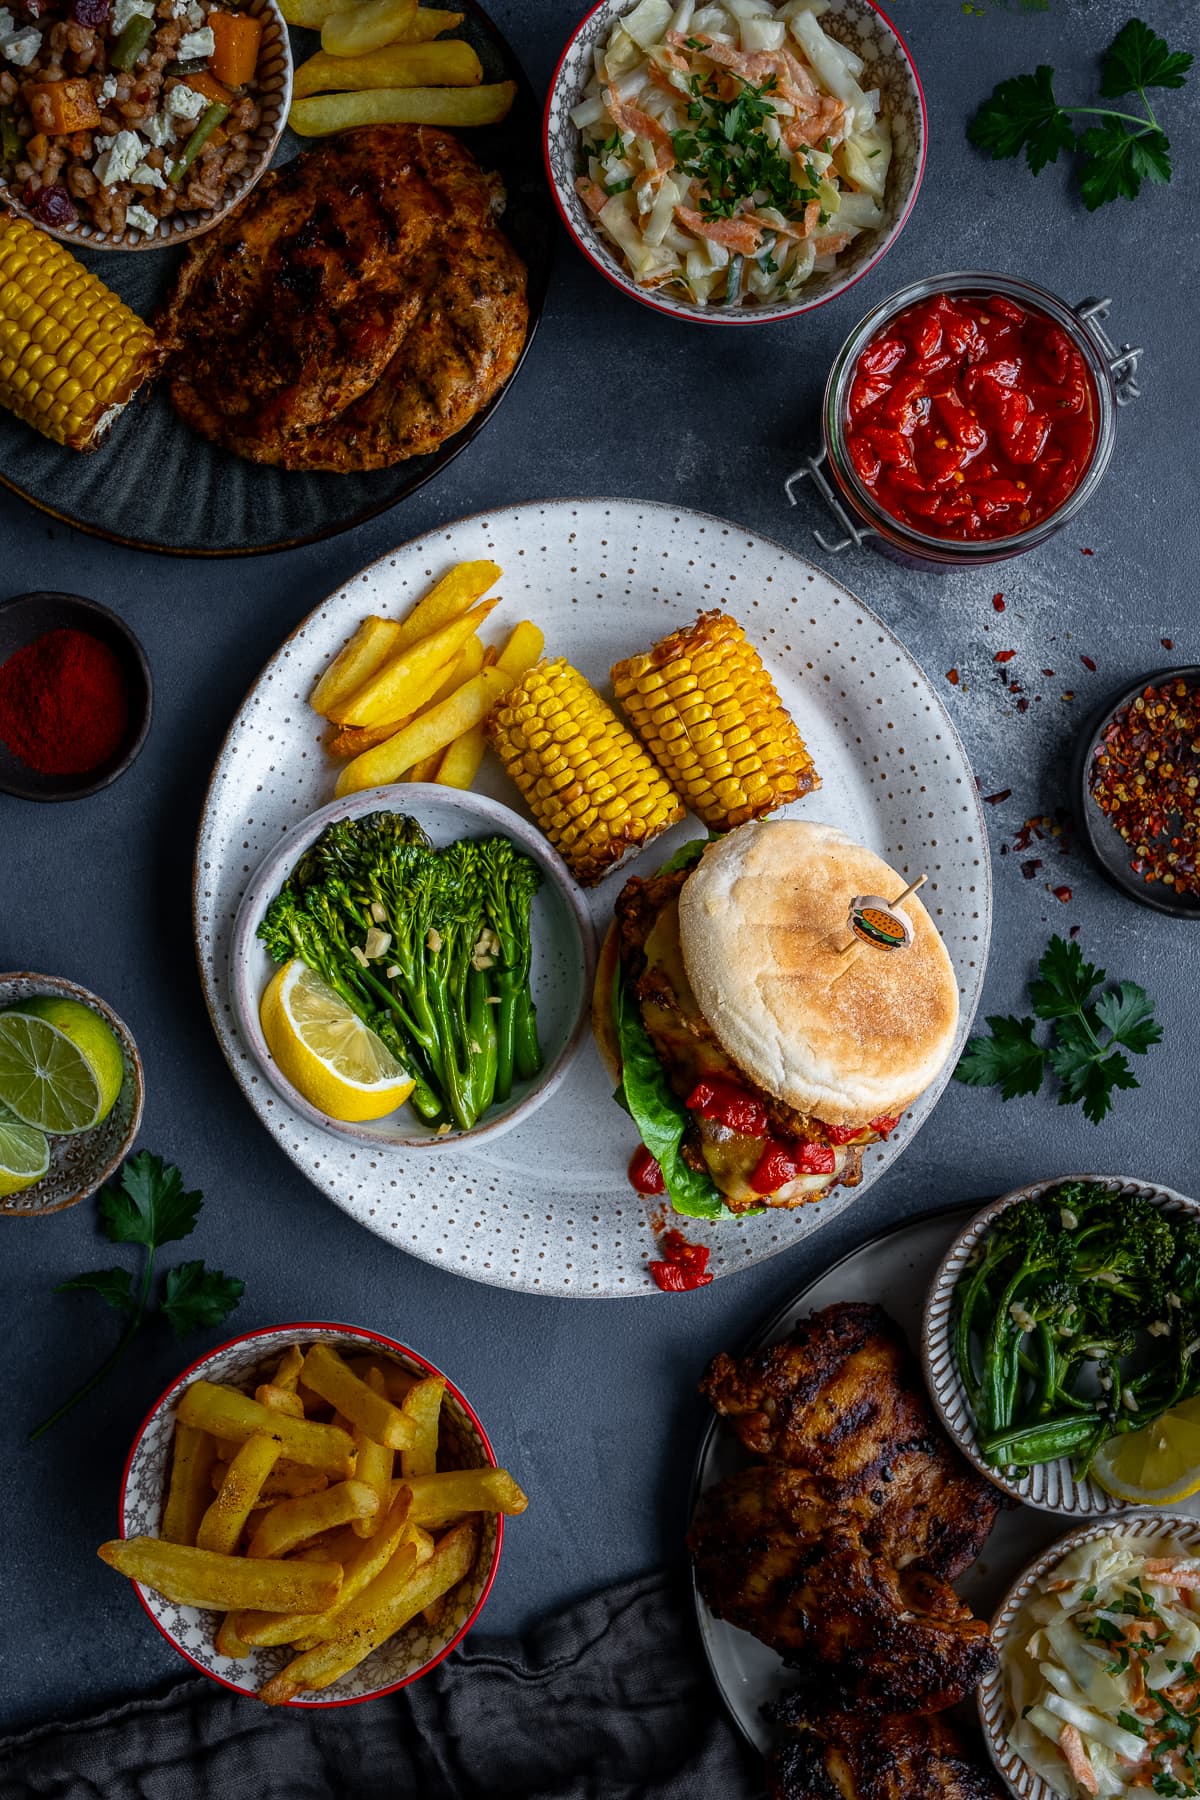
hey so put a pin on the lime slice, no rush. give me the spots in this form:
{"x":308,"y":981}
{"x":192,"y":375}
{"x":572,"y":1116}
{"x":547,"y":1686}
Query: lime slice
{"x":93,"y":1036}
{"x":45,"y":1079}
{"x":326,"y":1051}
{"x":24,"y":1154}
{"x":1157,"y":1466}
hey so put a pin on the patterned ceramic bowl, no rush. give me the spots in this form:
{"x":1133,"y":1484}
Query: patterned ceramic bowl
{"x":561,"y":976}
{"x":244,"y":1363}
{"x":863,"y":28}
{"x":79,"y":1164}
{"x":1162,"y":1532}
{"x":1050,"y":1487}
{"x":273,"y":92}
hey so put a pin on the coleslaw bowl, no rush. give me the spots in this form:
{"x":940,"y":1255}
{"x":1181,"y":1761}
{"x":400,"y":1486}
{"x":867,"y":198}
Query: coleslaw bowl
{"x":862,"y":27}
{"x":243,"y":1363}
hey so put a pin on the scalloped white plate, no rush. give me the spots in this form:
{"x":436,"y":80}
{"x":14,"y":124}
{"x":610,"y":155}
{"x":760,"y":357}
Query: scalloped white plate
{"x":547,"y":1208}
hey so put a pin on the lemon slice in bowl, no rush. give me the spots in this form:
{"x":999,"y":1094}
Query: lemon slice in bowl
{"x":45,"y":1078}
{"x":326,"y":1052}
{"x":24,"y":1154}
{"x":1157,"y":1466}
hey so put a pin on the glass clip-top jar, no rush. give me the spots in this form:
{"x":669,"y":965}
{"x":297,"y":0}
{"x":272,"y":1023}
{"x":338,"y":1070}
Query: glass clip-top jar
{"x":967,"y":419}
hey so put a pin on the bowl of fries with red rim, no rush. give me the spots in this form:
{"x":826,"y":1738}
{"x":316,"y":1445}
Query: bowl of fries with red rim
{"x":312,"y":1515}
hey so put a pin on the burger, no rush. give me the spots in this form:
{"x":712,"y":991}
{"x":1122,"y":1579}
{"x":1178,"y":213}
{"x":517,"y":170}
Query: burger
{"x":760,"y":1039}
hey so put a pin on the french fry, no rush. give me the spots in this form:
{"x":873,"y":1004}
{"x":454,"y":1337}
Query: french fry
{"x":329,"y":1627}
{"x":227,"y":1640}
{"x":356,"y":662}
{"x":426,"y":770}
{"x":374,"y":1465}
{"x":288,"y":1372}
{"x":423,"y":1405}
{"x":194,"y":1577}
{"x":338,"y":1545}
{"x":384,"y":1607}
{"x":449,"y":64}
{"x":366,"y":26}
{"x":427,"y":22}
{"x":434,"y":730}
{"x":448,"y":599}
{"x":396,"y":1381}
{"x":525,"y":644}
{"x":328,"y":1375}
{"x":227,"y":1413}
{"x":408,"y":680}
{"x":290,"y":1523}
{"x":439,"y":1498}
{"x":459,"y":765}
{"x":192,"y":1463}
{"x":323,"y":114}
{"x":223,"y":1523}
{"x":361,"y":1567}
{"x":290,"y":1484}
{"x":284,"y":1400}
{"x":352,"y":740}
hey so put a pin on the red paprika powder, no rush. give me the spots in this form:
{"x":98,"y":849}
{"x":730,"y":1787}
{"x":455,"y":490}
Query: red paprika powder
{"x":64,"y":703}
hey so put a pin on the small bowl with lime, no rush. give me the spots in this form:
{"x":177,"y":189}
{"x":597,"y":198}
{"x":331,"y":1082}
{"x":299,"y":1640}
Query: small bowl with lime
{"x":71,"y":1094}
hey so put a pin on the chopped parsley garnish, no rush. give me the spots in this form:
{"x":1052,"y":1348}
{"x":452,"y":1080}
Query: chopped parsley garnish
{"x":726,"y":150}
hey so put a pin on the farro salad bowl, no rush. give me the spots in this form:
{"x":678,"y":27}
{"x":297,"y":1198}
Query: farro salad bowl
{"x":139,"y":103}
{"x":862,"y":29}
{"x":243,"y":1363}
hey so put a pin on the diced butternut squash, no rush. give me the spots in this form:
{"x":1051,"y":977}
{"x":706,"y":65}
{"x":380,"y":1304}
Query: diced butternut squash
{"x":60,"y":107}
{"x":236,"y":38}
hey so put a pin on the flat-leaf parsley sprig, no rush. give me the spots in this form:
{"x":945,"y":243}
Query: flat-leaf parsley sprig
{"x":1088,"y":1036}
{"x":1117,"y":155}
{"x":148,"y":1206}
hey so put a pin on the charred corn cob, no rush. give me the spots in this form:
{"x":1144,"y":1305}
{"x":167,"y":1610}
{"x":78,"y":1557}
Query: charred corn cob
{"x":707,"y":711}
{"x":587,"y":781}
{"x":71,"y":353}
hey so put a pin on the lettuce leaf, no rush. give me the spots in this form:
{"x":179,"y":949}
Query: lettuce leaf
{"x":659,"y":1113}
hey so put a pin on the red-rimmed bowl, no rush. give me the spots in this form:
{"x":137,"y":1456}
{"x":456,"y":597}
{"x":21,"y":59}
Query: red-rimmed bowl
{"x":244,"y":1362}
{"x":859,"y":24}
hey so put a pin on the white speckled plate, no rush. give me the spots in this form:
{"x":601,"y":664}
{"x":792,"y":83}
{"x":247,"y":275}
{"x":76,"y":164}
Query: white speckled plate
{"x":547,"y":1208}
{"x":1049,"y":1486}
{"x":1163,"y":1533}
{"x":243,"y":1363}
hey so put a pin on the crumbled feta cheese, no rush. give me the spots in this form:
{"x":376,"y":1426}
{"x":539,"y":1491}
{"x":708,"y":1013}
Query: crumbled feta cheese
{"x":118,"y":162}
{"x":124,"y":10}
{"x":142,"y":219}
{"x":145,"y":176}
{"x":159,"y":128}
{"x":194,"y":14}
{"x":195,"y":43}
{"x":185,"y":102}
{"x":21,"y":47}
{"x":179,"y":7}
{"x":107,"y":90}
{"x":7,"y":23}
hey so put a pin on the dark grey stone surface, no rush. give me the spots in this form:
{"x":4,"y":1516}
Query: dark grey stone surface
{"x":593,"y":1404}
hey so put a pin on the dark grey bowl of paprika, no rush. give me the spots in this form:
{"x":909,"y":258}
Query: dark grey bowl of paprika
{"x":75,"y":696}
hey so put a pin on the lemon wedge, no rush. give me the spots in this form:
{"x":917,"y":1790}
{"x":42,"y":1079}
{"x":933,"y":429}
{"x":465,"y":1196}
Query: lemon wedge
{"x":326,"y":1052}
{"x":1157,"y":1466}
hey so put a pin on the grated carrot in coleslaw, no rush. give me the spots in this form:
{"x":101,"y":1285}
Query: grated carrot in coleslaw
{"x":1102,"y":1673}
{"x":728,"y":151}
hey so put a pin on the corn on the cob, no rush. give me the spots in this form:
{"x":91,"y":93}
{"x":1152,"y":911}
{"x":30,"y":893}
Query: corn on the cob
{"x":707,"y":711}
{"x":587,"y":781}
{"x":71,"y":353}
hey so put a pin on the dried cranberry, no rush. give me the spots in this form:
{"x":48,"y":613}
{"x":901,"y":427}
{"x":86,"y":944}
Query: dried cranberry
{"x":92,"y":13}
{"x":52,"y":205}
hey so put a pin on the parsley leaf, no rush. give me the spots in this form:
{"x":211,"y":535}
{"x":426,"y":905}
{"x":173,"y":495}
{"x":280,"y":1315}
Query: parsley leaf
{"x":112,"y":1285}
{"x":1089,"y":1066}
{"x":1115,"y":156}
{"x":149,"y":1207}
{"x":196,"y":1295}
{"x":1138,"y":58}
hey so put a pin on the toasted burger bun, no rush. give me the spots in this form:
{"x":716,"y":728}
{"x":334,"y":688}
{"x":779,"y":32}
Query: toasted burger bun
{"x":604,"y":1026}
{"x":763,"y":920}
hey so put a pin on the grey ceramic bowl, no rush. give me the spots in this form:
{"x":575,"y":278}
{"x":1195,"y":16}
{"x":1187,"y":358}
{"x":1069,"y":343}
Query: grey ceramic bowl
{"x":1050,"y":1487}
{"x":1174,"y":1530}
{"x":563,"y":955}
{"x":82,"y":1163}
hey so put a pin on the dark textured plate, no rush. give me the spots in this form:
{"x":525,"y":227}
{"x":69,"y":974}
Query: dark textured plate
{"x":1106,"y":843}
{"x":156,"y":485}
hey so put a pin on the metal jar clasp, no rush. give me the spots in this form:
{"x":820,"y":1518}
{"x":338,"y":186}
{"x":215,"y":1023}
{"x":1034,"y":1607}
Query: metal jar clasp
{"x":855,"y":534}
{"x":1123,"y":361}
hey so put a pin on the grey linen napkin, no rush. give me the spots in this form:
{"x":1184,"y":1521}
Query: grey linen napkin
{"x":610,"y":1700}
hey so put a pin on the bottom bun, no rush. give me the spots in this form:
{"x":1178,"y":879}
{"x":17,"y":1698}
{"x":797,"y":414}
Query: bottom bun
{"x":604,"y":1026}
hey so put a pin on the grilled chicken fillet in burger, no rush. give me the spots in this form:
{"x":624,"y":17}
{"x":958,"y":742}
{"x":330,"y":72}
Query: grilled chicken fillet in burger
{"x":783,"y":1058}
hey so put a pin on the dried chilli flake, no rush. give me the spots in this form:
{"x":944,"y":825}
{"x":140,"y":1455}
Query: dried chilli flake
{"x":1145,"y":776}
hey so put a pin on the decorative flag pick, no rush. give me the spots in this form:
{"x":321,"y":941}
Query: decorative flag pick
{"x":878,"y":922}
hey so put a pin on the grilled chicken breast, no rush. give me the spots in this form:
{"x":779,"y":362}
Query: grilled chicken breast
{"x":838,"y":1548}
{"x":843,"y":1757}
{"x":359,"y":307}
